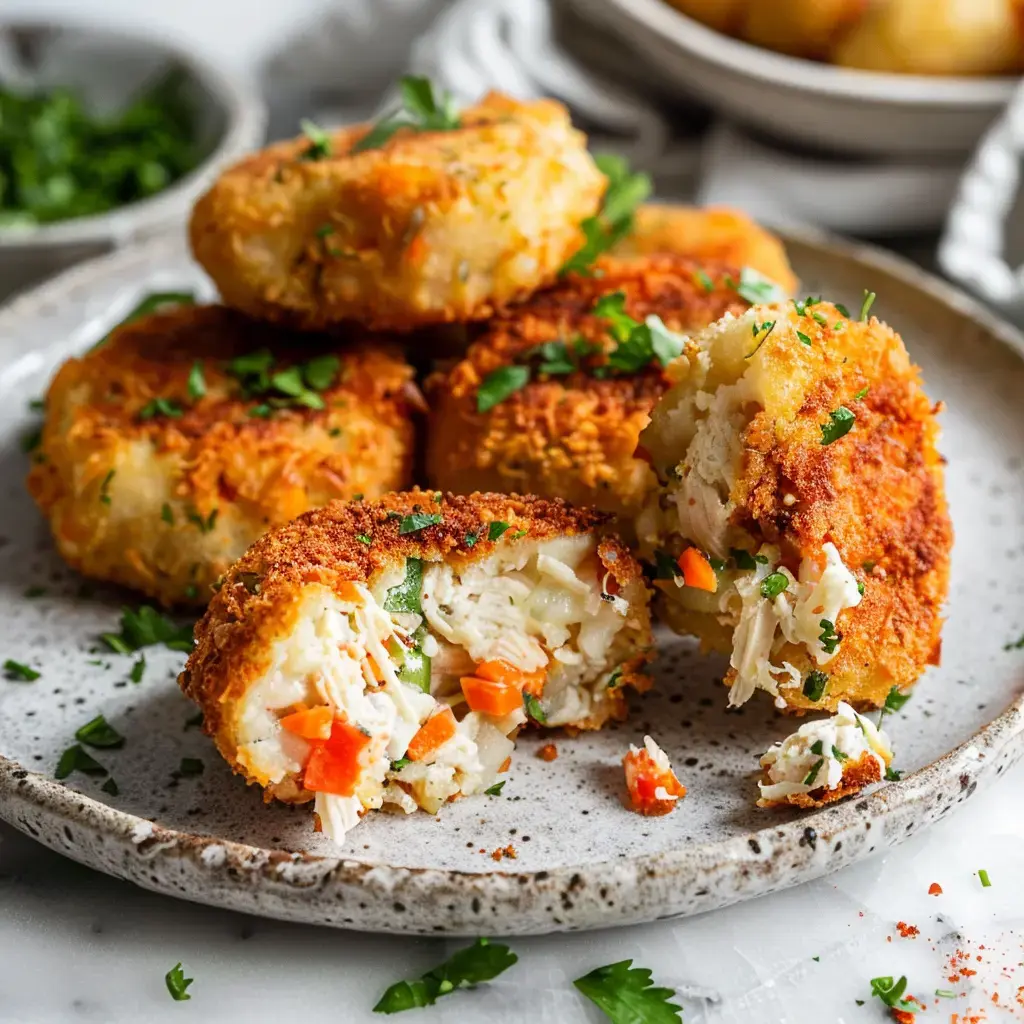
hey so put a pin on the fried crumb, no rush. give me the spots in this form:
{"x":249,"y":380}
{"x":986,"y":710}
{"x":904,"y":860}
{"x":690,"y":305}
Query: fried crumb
{"x":907,"y":931}
{"x":549,"y":752}
{"x":504,"y":852}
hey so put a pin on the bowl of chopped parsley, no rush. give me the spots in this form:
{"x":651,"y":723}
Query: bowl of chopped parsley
{"x":106,"y":137}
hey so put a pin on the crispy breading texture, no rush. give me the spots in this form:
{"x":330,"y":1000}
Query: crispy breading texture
{"x":431,"y":227}
{"x":876,"y":493}
{"x":165,"y":504}
{"x":862,"y":772}
{"x":259,"y":598}
{"x":718,"y":235}
{"x":572,"y":436}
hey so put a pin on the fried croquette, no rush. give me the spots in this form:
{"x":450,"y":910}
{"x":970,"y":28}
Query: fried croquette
{"x":176,"y":443}
{"x":801,"y":523}
{"x":571,"y":429}
{"x":716,"y":234}
{"x":428,"y":227}
{"x":387,"y":653}
{"x":824,"y":761}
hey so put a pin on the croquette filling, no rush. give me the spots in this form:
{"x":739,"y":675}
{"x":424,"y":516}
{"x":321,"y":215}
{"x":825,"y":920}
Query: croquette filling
{"x":410,"y":692}
{"x":707,"y":425}
{"x":820,"y":753}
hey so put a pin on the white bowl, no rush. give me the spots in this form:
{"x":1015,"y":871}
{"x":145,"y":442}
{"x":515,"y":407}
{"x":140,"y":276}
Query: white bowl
{"x":819,"y":105}
{"x":105,"y":66}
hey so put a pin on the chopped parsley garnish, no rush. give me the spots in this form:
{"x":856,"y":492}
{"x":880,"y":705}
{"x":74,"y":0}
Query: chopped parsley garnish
{"x":471,"y":539}
{"x":637,"y":344}
{"x":839,"y":755}
{"x":829,"y":637}
{"x":894,"y":701}
{"x":818,"y":747}
{"x":626,"y":995}
{"x":891,"y":993}
{"x":496,"y":789}
{"x":363,"y":538}
{"x":760,"y":333}
{"x":665,"y":566}
{"x":704,"y":281}
{"x":774,"y":584}
{"x":419,"y":521}
{"x":519,"y":534}
{"x":177,"y":983}
{"x":984,"y":879}
{"x":814,"y":685}
{"x":398,"y":764}
{"x":865,"y":306}
{"x":820,"y":317}
{"x":160,"y":407}
{"x":467,"y":968}
{"x":745,"y":560}
{"x":16,"y":670}
{"x":261,"y":411}
{"x":842,"y":309}
{"x":944,"y":993}
{"x":757,"y":289}
{"x":137,"y":669}
{"x":321,"y":371}
{"x":499,"y":384}
{"x":296,"y":385}
{"x":110,"y":786}
{"x":205,"y":525}
{"x":190,"y":767}
{"x":803,"y":337}
{"x":196,"y":381}
{"x":99,"y":733}
{"x":860,"y":587}
{"x":860,"y":394}
{"x":406,"y":596}
{"x":534,"y":709}
{"x":1015,"y":645}
{"x":496,"y":529}
{"x":105,"y":487}
{"x":319,"y":146}
{"x":625,"y":192}
{"x":802,"y":305}
{"x":77,"y":759}
{"x":892,"y":774}
{"x":813,"y":773}
{"x":167,"y":514}
{"x":840,"y":424}
{"x":145,"y":628}
{"x":421,"y":111}
{"x":556,"y":358}
{"x":718,"y":564}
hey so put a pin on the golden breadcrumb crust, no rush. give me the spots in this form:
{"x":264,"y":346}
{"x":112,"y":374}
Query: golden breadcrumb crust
{"x":876,"y":493}
{"x":715,"y":234}
{"x":166,"y":504}
{"x":862,"y":772}
{"x":431,"y":227}
{"x":574,"y":436}
{"x":260,"y":597}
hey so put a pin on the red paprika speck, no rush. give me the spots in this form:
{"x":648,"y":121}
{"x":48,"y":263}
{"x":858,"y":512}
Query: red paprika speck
{"x":935,"y":889}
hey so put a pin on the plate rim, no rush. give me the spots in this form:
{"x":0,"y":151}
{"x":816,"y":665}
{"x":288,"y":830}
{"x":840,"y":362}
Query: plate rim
{"x":959,"y":92}
{"x":234,"y":874}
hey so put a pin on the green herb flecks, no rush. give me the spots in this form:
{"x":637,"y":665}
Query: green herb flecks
{"x":196,"y":381}
{"x":496,"y":528}
{"x":156,"y":407}
{"x":534,"y":708}
{"x":77,"y":759}
{"x":406,"y":596}
{"x":177,"y":983}
{"x":774,"y":584}
{"x":627,"y":995}
{"x":419,"y":521}
{"x":496,"y":789}
{"x":829,"y":638}
{"x":17,"y":670}
{"x":499,"y":384}
{"x":891,"y":993}
{"x":840,"y":423}
{"x":421,"y":111}
{"x":146,"y":627}
{"x":814,"y":685}
{"x":758,"y":289}
{"x":894,"y":701}
{"x":865,"y":306}
{"x":99,"y":733}
{"x":637,"y":344}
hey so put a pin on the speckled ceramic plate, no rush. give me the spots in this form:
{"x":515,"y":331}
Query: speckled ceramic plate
{"x":583,"y":860}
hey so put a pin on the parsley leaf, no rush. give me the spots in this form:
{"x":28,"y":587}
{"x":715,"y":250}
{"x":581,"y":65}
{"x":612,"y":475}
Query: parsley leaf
{"x":319,"y":141}
{"x":890,"y":993}
{"x":704,"y":281}
{"x":829,"y":637}
{"x":471,"y":539}
{"x":894,"y":701}
{"x":627,"y":995}
{"x":774,"y":584}
{"x":637,"y":343}
{"x":534,"y":708}
{"x":803,"y":337}
{"x":840,"y":423}
{"x":16,"y":670}
{"x":320,"y":372}
{"x":665,"y":566}
{"x":814,"y":685}
{"x":205,"y":525}
{"x":145,"y":628}
{"x":496,"y":529}
{"x":743,"y":559}
{"x":406,"y":596}
{"x":625,"y":192}
{"x":160,"y":407}
{"x":892,"y":774}
{"x":363,"y":538}
{"x":757,"y":289}
{"x":813,"y":773}
{"x":496,"y":789}
{"x":419,"y":521}
{"x":477,"y":963}
{"x":99,"y":733}
{"x":196,"y":381}
{"x":137,"y":669}
{"x":105,"y":487}
{"x":177,"y":983}
{"x":860,"y":394}
{"x":77,"y":759}
{"x":499,"y":384}
{"x":421,"y":111}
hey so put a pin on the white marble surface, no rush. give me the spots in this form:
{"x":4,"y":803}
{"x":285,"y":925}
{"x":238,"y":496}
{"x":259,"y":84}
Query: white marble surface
{"x":77,"y":946}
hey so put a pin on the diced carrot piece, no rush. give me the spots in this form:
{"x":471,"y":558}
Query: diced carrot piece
{"x":491,"y":696}
{"x":335,"y":764}
{"x":697,"y":571}
{"x":310,"y":723}
{"x":435,"y":731}
{"x":506,"y":672}
{"x":347,"y":591}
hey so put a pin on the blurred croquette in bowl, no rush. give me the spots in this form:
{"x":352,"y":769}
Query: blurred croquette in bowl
{"x":179,"y":440}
